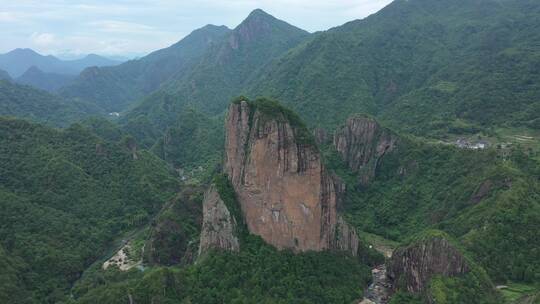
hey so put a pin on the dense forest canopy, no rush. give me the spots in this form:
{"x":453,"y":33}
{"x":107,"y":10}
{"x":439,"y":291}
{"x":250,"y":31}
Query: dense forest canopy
{"x":113,"y":164}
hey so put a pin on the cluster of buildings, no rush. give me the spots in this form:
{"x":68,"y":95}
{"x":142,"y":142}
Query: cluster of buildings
{"x":467,"y":144}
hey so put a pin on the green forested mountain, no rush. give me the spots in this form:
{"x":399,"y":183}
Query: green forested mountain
{"x":45,"y":81}
{"x":422,"y":65}
{"x":114,"y":88}
{"x":180,"y":117}
{"x":488,"y":201}
{"x":258,"y":273}
{"x":72,"y":198}
{"x":65,"y":196}
{"x":26,"y":102}
{"x":224,"y":69}
{"x":4,"y":75}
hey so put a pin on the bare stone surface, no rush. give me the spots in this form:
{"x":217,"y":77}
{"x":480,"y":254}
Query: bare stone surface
{"x":413,"y":266}
{"x":218,"y":229}
{"x":362,"y":142}
{"x":287,"y":196}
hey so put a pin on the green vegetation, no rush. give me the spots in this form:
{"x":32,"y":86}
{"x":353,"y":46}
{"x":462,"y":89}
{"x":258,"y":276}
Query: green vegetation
{"x":272,"y":110}
{"x":4,"y":75}
{"x":49,"y":82}
{"x":423,"y":66}
{"x":26,"y":102}
{"x":116,"y":88}
{"x":220,"y":74}
{"x":521,"y":293}
{"x":437,"y":69}
{"x":228,"y":195}
{"x":258,"y":273}
{"x":174,"y":237}
{"x":464,"y":289}
{"x":472,"y":287}
{"x":401,"y":297}
{"x":489,"y":203}
{"x":193,"y":140}
{"x":65,"y":196}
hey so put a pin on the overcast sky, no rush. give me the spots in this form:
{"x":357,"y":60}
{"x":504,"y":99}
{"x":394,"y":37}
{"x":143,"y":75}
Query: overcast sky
{"x":136,"y":27}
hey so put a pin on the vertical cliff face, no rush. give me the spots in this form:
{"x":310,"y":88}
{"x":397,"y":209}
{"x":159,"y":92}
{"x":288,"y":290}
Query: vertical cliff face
{"x":413,"y":266}
{"x":219,"y":225}
{"x":362,"y":143}
{"x":286,"y":194}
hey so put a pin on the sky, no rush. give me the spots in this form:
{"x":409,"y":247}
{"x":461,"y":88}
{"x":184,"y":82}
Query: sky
{"x":130,"y":28}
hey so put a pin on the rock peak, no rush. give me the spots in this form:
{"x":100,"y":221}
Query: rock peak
{"x":257,"y":19}
{"x":259,"y":12}
{"x":286,"y":194}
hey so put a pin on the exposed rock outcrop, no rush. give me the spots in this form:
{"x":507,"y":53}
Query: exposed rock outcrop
{"x":411,"y":267}
{"x":286,"y":194}
{"x":219,"y":225}
{"x":321,"y":136}
{"x":362,"y":143}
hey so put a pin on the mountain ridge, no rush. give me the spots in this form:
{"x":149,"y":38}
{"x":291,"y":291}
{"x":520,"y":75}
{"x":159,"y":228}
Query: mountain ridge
{"x":17,"y":61}
{"x":50,"y":82}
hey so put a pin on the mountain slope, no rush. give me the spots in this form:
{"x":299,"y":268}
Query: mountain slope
{"x":18,"y":61}
{"x":114,"y":88}
{"x":26,"y":102}
{"x":4,"y":75}
{"x":65,"y":195}
{"x":219,"y":75}
{"x":419,"y":64}
{"x":45,"y":81}
{"x":487,"y":199}
{"x":226,"y":68}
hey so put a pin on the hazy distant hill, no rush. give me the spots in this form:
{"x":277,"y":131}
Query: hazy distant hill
{"x":19,"y":61}
{"x":45,"y":81}
{"x":4,"y":75}
{"x":114,"y":88}
{"x":23,"y":101}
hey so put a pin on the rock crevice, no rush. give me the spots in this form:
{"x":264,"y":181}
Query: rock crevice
{"x":219,"y":226}
{"x":362,"y":143}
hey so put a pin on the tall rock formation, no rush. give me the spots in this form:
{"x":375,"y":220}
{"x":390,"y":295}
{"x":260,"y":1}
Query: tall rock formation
{"x":362,"y":143}
{"x":286,"y":194}
{"x":412,"y":267}
{"x":219,"y":225}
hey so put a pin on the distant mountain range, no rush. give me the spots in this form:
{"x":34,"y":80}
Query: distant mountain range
{"x":386,"y":97}
{"x":19,"y":61}
{"x":396,"y":64}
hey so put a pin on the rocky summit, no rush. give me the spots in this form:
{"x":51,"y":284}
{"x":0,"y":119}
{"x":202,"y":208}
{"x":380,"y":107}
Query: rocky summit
{"x":412,"y":267}
{"x":286,"y":194}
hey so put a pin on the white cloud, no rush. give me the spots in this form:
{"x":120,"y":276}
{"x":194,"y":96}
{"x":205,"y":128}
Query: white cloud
{"x":43,"y":39}
{"x":139,"y":26}
{"x":9,"y":17}
{"x":112,"y":26}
